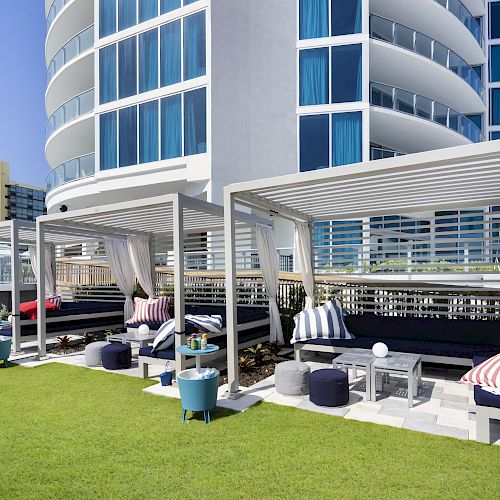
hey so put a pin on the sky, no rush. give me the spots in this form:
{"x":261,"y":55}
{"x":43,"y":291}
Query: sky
{"x":22,"y":90}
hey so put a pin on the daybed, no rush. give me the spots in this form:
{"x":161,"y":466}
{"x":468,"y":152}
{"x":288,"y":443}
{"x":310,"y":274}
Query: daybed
{"x":449,"y":341}
{"x":253,"y":327}
{"x":487,"y":406}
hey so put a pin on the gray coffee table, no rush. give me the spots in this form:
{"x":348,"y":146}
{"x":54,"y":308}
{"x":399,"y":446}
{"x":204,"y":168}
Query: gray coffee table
{"x":354,"y":359}
{"x":397,"y":363}
{"x":129,"y":337}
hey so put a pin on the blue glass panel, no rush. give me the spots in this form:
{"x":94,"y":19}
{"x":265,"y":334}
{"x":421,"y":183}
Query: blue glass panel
{"x":128,"y":136}
{"x":107,"y":17}
{"x":346,"y":138}
{"x":495,"y":63}
{"x":494,"y":136}
{"x":495,"y":107}
{"x":127,"y":67}
{"x":107,"y":74}
{"x":127,"y":14}
{"x":147,"y":9}
{"x":313,"y":65}
{"x":148,"y":60}
{"x":187,"y":2}
{"x":171,"y":127}
{"x":170,"y":53}
{"x":479,"y":71}
{"x":314,"y":142}
{"x":346,"y":17}
{"x":346,"y":73}
{"x":477,"y":120}
{"x":169,"y":5}
{"x":194,"y":46}
{"x":495,"y":20}
{"x":148,"y":132}
{"x":313,"y":19}
{"x":195,"y":122}
{"x":107,"y":140}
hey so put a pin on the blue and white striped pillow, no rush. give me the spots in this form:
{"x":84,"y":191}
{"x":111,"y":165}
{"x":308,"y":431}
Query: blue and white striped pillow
{"x":165,"y":336}
{"x":324,"y":322}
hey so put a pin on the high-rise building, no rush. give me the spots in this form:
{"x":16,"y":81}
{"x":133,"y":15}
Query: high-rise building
{"x":17,"y":200}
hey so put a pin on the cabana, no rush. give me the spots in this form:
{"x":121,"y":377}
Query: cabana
{"x":178,"y":228}
{"x":73,"y":318}
{"x":451,"y":179}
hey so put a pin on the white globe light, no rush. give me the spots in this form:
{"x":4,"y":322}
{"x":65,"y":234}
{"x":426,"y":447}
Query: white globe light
{"x":144,"y":329}
{"x":380,"y":350}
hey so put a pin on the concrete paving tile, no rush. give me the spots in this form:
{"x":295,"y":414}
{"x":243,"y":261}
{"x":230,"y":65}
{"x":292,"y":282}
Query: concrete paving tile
{"x":280,"y":399}
{"x":457,"y":406}
{"x":455,"y":422}
{"x":447,"y":412}
{"x":456,"y":398}
{"x":365,"y":407}
{"x":408,"y":415}
{"x":375,"y":418}
{"x":338,"y":412}
{"x":455,"y":388}
{"x":441,"y":430}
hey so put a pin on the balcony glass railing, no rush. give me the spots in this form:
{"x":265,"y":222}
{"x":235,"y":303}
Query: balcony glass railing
{"x":459,"y":10}
{"x":78,"y":106}
{"x":77,"y":45}
{"x":402,"y":36}
{"x":72,"y":170}
{"x":381,"y":153}
{"x":55,"y":8}
{"x":423,"y":107}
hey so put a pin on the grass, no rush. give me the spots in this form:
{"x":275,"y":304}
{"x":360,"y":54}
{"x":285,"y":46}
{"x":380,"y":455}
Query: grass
{"x":69,"y":432}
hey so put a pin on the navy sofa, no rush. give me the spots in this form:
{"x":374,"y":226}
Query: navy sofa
{"x":437,"y":340}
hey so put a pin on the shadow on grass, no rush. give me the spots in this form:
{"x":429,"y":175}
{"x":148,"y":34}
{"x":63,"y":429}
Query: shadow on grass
{"x":217,"y":414}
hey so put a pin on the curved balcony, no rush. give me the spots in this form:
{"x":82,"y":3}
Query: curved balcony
{"x":76,"y":46}
{"x":460,"y":11}
{"x":402,"y":101}
{"x":381,"y":153}
{"x":72,"y":109}
{"x":55,"y":8}
{"x":72,"y":170}
{"x":410,"y":39}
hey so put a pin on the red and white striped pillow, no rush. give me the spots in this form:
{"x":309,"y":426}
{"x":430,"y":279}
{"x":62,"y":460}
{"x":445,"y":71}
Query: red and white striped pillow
{"x":150,"y":310}
{"x":56,"y":300}
{"x":486,"y":374}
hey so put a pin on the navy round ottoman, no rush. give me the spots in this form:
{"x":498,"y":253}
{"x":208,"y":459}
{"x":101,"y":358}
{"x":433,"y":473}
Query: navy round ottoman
{"x":329,"y":387}
{"x":116,"y":356}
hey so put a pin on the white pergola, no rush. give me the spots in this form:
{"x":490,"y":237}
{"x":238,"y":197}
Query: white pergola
{"x":449,"y":179}
{"x":162,"y":219}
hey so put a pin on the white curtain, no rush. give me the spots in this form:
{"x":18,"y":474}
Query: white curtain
{"x":140,"y":257}
{"x":50,"y":285}
{"x":303,"y":251}
{"x":121,"y":268}
{"x":268,"y":258}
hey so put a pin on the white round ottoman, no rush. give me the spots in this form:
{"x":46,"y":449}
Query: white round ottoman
{"x":93,"y":353}
{"x":292,"y":378}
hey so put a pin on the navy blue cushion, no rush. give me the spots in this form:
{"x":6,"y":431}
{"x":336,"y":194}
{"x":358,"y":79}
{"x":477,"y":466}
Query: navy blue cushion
{"x":329,"y":387}
{"x":166,"y":354}
{"x":484,"y":398}
{"x":116,"y":356}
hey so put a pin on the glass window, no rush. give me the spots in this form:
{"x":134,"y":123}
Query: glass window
{"x":346,"y":138}
{"x":495,"y":20}
{"x":346,"y":73}
{"x":313,"y":19}
{"x":148,"y":132}
{"x":128,"y":136}
{"x":148,"y":60}
{"x":495,"y":63}
{"x":194,"y":46}
{"x":107,"y":140}
{"x":476,"y":120}
{"x":127,"y":14}
{"x":147,"y":9}
{"x":127,"y":67}
{"x":107,"y":17}
{"x":188,"y":2}
{"x":495,"y":107}
{"x":494,"y":136}
{"x":195,"y":122}
{"x":314,"y":142}
{"x":171,"y":127}
{"x":107,"y":74}
{"x":170,"y":53}
{"x":169,"y":5}
{"x":346,"y":17}
{"x":313,"y":68}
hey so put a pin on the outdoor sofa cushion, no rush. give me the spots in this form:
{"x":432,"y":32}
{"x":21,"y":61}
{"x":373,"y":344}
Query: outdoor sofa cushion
{"x":484,"y":398}
{"x":485,"y":374}
{"x":29,"y":309}
{"x":165,"y":354}
{"x":150,"y":310}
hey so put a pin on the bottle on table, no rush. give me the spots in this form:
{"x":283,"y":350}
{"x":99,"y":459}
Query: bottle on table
{"x":204,"y":341}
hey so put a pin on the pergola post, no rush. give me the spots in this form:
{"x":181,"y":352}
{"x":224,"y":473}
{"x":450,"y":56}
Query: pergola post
{"x":231,"y":296}
{"x":178,"y":230}
{"x":41,"y":313}
{"x":311,"y":238}
{"x":15,"y":285}
{"x":152,"y":256}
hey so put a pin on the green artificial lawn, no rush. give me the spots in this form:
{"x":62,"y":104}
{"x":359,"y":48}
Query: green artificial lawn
{"x":69,"y":432}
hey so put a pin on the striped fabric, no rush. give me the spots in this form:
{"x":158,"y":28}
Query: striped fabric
{"x":324,"y":322}
{"x":56,"y":300}
{"x":486,"y":374}
{"x":150,"y":310}
{"x":166,"y":334}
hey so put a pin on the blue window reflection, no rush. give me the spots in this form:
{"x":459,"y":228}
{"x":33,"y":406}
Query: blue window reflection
{"x":346,"y":138}
{"x":171,"y":127}
{"x":107,"y":17}
{"x":195,"y":122}
{"x":313,"y":70}
{"x":194,"y":46}
{"x":170,"y":53}
{"x":346,"y":17}
{"x":346,"y":73}
{"x":147,"y":10}
{"x":495,"y":20}
{"x":495,"y":63}
{"x":127,"y":67}
{"x":314,"y":142}
{"x":148,"y":60}
{"x":148,"y":132}
{"x":495,"y":106}
{"x":313,"y":19}
{"x":169,"y":5}
{"x":128,"y":136}
{"x":127,"y":14}
{"x":107,"y":74}
{"x":107,"y":140}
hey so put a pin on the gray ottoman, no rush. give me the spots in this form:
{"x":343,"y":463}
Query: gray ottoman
{"x":93,"y":353}
{"x":292,"y":378}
